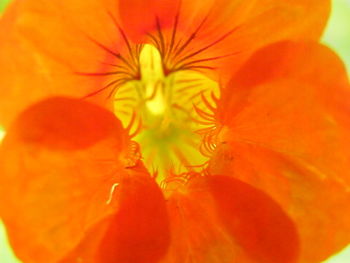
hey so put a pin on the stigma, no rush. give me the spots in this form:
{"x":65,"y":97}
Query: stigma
{"x":166,"y":114}
{"x":153,"y":80}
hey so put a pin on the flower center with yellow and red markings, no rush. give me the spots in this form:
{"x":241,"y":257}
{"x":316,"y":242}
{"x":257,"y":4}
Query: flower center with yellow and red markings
{"x":168,"y":115}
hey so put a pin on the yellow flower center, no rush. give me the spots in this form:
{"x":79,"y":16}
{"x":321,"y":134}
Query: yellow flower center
{"x":166,"y":114}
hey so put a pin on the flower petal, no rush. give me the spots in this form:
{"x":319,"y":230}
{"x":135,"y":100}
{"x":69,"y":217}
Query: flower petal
{"x":60,"y":162}
{"x":257,"y":222}
{"x":137,"y":233}
{"x":287,"y":133}
{"x":45,"y":45}
{"x":295,"y":99}
{"x":197,"y":234}
{"x":316,"y":204}
{"x":222,"y":33}
{"x":218,"y":219}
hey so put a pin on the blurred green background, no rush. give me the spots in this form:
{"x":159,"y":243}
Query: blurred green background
{"x":337,"y":36}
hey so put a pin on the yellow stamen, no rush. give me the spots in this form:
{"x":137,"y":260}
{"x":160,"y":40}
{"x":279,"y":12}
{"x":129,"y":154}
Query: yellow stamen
{"x":152,"y":78}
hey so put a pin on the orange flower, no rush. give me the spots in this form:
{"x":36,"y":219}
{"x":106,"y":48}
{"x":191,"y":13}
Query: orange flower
{"x":273,"y":137}
{"x":44,"y":42}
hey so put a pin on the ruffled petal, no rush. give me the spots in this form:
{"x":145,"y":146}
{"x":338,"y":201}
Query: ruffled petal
{"x":221,"y":34}
{"x":218,"y":219}
{"x":61,"y":162}
{"x":286,"y":131}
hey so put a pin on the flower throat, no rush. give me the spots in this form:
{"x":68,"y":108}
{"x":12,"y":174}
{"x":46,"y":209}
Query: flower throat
{"x":167,"y":114}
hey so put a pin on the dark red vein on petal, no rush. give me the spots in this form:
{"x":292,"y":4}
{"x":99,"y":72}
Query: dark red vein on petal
{"x":208,"y":46}
{"x":191,"y":37}
{"x":115,"y":54}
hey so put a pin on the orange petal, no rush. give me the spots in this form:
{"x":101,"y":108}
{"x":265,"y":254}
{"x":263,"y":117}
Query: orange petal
{"x":299,"y":106}
{"x":287,"y":133}
{"x":315,"y":203}
{"x":45,"y":45}
{"x":257,"y":222}
{"x":197,"y":233}
{"x":60,"y":162}
{"x":217,"y":219}
{"x":221,"y":34}
{"x":137,"y":232}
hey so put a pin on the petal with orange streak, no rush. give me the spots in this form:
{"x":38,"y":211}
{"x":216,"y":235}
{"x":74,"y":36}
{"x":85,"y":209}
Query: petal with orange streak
{"x":227,"y":31}
{"x":218,"y":219}
{"x":287,"y":127}
{"x":60,"y":161}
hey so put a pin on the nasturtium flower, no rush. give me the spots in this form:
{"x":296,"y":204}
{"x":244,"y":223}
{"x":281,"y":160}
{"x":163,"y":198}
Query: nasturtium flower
{"x":173,"y":131}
